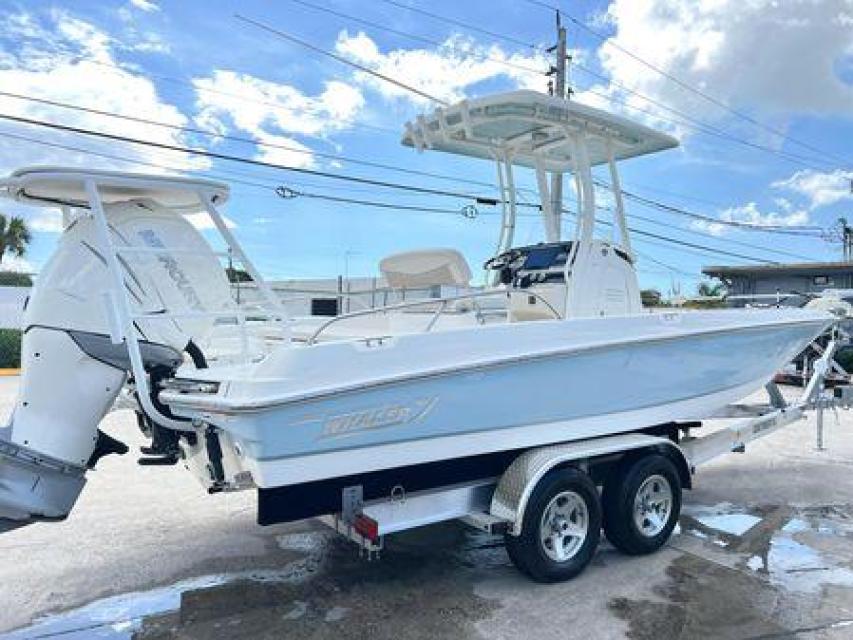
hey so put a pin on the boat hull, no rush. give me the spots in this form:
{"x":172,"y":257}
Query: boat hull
{"x":582,"y":392}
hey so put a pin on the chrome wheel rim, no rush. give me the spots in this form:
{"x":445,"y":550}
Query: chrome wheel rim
{"x":653,"y":505}
{"x":564,"y":526}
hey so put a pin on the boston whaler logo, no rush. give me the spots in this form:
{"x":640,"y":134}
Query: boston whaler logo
{"x":173,"y":269}
{"x":391,"y":415}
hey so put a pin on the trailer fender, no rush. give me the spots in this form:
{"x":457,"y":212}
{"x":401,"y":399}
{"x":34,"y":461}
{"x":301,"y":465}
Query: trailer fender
{"x":518,"y":481}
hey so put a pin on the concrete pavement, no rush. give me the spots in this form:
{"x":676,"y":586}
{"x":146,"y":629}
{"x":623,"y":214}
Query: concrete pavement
{"x":764,"y":552}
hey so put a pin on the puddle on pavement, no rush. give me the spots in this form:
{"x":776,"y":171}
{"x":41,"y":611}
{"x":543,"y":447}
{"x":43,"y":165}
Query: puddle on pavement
{"x":789,"y":555}
{"x":796,"y":566}
{"x":120,"y":616}
{"x":792,"y":548}
{"x":723,"y":517}
{"x":420,"y":584}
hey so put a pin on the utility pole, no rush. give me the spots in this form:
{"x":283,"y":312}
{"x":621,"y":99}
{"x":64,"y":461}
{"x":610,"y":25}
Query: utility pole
{"x":558,"y":88}
{"x":847,"y":239}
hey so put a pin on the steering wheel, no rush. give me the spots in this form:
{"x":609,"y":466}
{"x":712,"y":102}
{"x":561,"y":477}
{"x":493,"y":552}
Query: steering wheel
{"x":512,"y":258}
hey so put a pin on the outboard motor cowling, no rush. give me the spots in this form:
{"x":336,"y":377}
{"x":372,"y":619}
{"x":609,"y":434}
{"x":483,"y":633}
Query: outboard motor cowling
{"x":73,"y":370}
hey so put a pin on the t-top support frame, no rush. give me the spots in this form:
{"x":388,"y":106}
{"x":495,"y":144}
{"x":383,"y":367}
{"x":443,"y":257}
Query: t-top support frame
{"x":118,"y":309}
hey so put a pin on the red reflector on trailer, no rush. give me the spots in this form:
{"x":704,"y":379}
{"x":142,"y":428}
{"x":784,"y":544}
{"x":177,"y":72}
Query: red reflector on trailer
{"x":367,"y":527}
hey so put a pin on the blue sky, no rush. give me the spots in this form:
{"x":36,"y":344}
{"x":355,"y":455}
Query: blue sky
{"x":787,"y":66}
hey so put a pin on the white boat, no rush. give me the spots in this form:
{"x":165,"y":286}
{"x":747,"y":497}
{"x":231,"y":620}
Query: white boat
{"x":135,"y":298}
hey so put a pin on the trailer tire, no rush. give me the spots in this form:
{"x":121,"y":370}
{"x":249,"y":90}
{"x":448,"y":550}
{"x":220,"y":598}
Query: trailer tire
{"x":641,"y":502}
{"x":565,"y":502}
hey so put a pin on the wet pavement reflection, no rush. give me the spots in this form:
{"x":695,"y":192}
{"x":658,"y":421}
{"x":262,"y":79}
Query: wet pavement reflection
{"x":424,"y":585}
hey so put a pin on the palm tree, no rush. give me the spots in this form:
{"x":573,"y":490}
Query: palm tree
{"x":14,"y":236}
{"x":710,"y":289}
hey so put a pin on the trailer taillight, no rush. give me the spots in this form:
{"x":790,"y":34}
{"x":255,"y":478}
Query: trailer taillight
{"x":367,"y":527}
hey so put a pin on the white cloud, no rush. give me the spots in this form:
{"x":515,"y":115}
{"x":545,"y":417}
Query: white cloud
{"x":750,"y":213}
{"x":148,"y":43}
{"x":273,"y":113}
{"x":16,"y":264}
{"x":820,"y":189}
{"x":145,"y":5}
{"x":714,"y":228}
{"x":816,"y":189}
{"x":202,"y":221}
{"x":766,"y":56}
{"x":87,"y":75}
{"x":45,"y":220}
{"x":447,"y":72}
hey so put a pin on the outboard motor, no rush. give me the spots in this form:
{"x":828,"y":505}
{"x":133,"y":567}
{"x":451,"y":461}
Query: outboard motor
{"x":73,"y":371}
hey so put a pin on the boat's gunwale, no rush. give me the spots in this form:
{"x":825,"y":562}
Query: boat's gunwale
{"x":229,"y":406}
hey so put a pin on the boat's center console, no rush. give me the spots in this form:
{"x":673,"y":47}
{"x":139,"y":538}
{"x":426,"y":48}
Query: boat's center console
{"x":546,"y":279}
{"x":536,"y":276}
{"x":536,"y":264}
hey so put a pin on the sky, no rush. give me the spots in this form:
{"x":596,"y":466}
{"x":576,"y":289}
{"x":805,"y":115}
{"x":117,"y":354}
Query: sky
{"x":760,"y":93}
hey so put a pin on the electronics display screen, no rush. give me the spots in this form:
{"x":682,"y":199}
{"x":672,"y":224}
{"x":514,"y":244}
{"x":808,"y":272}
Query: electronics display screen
{"x":545,"y":257}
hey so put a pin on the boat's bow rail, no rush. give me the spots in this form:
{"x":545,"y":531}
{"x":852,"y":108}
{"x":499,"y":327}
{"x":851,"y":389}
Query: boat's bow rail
{"x":442,"y":305}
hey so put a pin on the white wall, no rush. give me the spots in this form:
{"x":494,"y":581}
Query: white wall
{"x":354,"y":294}
{"x":12,"y":306}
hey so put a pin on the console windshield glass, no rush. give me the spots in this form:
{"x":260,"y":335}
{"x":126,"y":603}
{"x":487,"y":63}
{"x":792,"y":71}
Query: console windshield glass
{"x":544,"y":257}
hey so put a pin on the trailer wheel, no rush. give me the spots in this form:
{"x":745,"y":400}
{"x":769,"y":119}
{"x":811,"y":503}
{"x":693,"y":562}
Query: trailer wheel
{"x":560,"y":529}
{"x":641,"y":501}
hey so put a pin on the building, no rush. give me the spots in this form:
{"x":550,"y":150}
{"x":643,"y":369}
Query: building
{"x":784,"y":279}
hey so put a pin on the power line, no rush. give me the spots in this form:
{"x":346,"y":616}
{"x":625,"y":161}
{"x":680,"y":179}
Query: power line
{"x":639,"y":232}
{"x":459,"y":23}
{"x":287,"y":193}
{"x":417,"y":38}
{"x":684,"y":243}
{"x":269,"y":187}
{"x":711,"y":130}
{"x":642,"y":200}
{"x":633,"y":216}
{"x":341,"y":59}
{"x":681,"y":83}
{"x":265,"y":187}
{"x":417,"y":91}
{"x":686,"y":121}
{"x":240,"y":159}
{"x":259,"y":143}
{"x":117,"y":68}
{"x":694,"y":124}
{"x":665,"y":265}
{"x":799,"y":231}
{"x":413,"y":188}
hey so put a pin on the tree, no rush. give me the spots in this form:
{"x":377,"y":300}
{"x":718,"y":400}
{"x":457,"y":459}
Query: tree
{"x":14,"y":236}
{"x":710,"y":289}
{"x":650,"y":297}
{"x":237,"y":275}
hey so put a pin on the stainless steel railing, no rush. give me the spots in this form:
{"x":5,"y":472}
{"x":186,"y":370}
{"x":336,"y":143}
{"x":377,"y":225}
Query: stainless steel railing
{"x":442,"y":307}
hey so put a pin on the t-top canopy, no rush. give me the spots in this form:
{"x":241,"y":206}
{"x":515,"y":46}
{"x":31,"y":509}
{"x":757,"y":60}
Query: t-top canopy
{"x":532,"y":127}
{"x":67,"y":186}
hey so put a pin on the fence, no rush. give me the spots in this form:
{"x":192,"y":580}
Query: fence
{"x":12,"y":301}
